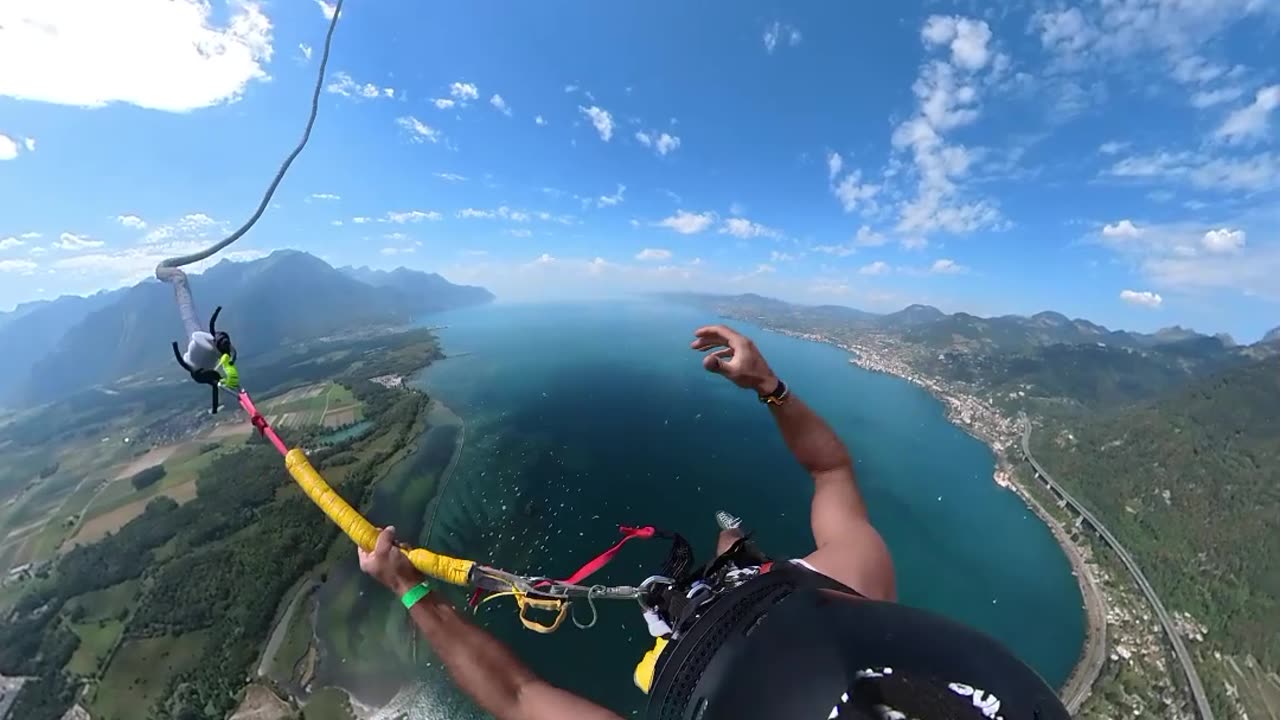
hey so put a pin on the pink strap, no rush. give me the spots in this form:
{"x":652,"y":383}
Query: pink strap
{"x":603,"y":558}
{"x":260,"y":423}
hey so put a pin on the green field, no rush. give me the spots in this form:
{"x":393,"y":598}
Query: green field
{"x":326,"y":404}
{"x":96,"y":641}
{"x":140,"y":672}
{"x":105,"y":604}
{"x":182,"y":467}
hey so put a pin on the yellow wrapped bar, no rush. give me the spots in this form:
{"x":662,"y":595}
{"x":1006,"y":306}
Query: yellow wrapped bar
{"x":361,"y":531}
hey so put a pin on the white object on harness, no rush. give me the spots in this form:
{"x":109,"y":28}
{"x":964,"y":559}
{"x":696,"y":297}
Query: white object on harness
{"x":657,"y":626}
{"x":201,"y":353}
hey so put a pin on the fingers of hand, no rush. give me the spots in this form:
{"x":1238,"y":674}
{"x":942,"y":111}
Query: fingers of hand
{"x":719,"y":361}
{"x":718,"y":334}
{"x":386,"y":541}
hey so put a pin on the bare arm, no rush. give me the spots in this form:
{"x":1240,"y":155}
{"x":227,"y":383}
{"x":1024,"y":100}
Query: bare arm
{"x":481,"y":666}
{"x":849,"y":549}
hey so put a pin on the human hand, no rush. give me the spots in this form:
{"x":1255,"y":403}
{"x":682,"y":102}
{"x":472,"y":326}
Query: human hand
{"x":388,"y":565}
{"x":737,"y":358}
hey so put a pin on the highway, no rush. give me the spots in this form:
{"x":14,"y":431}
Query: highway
{"x":1179,"y":649}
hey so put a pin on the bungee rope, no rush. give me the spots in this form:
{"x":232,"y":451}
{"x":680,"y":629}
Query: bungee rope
{"x":170,"y":270}
{"x":537,"y":593}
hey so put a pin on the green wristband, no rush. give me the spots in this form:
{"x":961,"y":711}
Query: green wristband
{"x":414,"y":594}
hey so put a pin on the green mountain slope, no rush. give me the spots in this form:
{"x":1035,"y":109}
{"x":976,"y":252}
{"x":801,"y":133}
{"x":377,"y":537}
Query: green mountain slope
{"x":1191,"y":485}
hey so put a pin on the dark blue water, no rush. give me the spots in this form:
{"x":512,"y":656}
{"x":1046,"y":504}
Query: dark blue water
{"x":580,"y":417}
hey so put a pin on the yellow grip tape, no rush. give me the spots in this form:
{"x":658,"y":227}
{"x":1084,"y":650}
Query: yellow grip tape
{"x":361,"y":531}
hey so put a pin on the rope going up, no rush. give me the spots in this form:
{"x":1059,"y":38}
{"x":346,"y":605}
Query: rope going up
{"x":169,"y":270}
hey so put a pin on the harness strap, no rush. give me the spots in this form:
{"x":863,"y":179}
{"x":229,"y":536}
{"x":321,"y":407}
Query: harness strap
{"x":598,"y":562}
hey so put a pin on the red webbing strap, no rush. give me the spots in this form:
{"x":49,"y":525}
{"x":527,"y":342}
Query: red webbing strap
{"x":594,"y":566}
{"x":260,"y":423}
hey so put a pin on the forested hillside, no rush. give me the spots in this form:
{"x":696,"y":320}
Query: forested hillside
{"x":1191,"y":485}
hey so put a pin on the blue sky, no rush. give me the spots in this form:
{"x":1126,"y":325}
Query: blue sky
{"x":1111,"y":159}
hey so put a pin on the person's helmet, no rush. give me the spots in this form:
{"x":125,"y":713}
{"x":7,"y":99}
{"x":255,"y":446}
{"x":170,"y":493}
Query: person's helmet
{"x":772,"y":650}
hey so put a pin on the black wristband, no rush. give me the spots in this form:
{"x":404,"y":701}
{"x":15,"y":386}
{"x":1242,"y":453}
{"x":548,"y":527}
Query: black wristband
{"x":778,"y":396}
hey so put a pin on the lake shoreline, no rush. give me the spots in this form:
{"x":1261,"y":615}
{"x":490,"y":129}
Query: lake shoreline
{"x":999,"y":437}
{"x":436,"y":414}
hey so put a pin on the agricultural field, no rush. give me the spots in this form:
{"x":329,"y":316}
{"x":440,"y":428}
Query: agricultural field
{"x":140,"y":671}
{"x":327,"y":405}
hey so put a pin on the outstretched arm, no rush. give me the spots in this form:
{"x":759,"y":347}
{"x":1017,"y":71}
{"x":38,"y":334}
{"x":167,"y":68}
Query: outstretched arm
{"x":480,"y":665}
{"x":849,"y":548}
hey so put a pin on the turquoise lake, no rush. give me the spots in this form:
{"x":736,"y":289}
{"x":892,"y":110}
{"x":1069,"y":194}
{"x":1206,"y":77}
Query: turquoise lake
{"x":581,"y":417}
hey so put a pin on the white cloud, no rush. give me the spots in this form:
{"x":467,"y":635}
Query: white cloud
{"x":37,"y":250}
{"x":612,"y":200}
{"x":343,"y":84}
{"x":327,"y":8}
{"x":879,"y":267}
{"x":539,"y":120}
{"x":777,"y":32}
{"x":361,"y":219}
{"x":132,"y":221}
{"x":776,"y":256}
{"x":520,"y":232}
{"x":444,"y":103}
{"x":325,"y":196}
{"x":666,"y":143}
{"x":1253,"y":121}
{"x":947,"y":95}
{"x":688,"y":223}
{"x":507,"y":213}
{"x":450,"y":177}
{"x":946,"y":266}
{"x":1122,"y":229}
{"x":835,"y":164}
{"x":22,"y":267}
{"x":412,"y":216}
{"x":746,"y":229}
{"x":10,"y":243}
{"x":398,"y":250}
{"x":866,"y":237}
{"x":836,"y":250}
{"x":30,"y":236}
{"x":653,"y":254}
{"x":1208,"y":98}
{"x":1112,"y":147}
{"x":8,"y":148}
{"x":601,"y":119}
{"x":306,"y":50}
{"x":192,"y":226}
{"x":1203,"y":170}
{"x":1223,"y":240}
{"x":853,"y":193}
{"x":72,"y":241}
{"x":662,"y":143}
{"x":30,"y":144}
{"x":967,"y":39}
{"x":170,"y":55}
{"x":1142,"y":298}
{"x":464,"y":91}
{"x":501,"y":105}
{"x":421,"y":132}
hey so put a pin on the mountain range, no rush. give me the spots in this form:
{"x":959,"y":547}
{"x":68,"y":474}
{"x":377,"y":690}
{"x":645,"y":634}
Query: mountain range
{"x":71,"y":343}
{"x":1046,"y":356}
